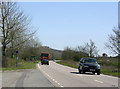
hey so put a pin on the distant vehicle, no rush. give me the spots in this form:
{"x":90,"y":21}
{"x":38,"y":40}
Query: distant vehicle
{"x":89,"y":65}
{"x":44,"y":58}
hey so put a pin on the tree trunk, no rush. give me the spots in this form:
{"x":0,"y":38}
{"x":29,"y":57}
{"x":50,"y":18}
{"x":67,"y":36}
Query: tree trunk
{"x":4,"y":59}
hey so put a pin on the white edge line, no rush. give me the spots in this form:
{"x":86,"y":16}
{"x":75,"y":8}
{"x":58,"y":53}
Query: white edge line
{"x":108,"y":76}
{"x":98,"y":81}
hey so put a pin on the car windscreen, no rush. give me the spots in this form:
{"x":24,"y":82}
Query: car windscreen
{"x":90,"y":61}
{"x":44,"y":55}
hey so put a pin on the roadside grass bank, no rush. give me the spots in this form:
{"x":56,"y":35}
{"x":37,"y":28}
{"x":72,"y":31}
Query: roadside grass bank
{"x":24,"y":65}
{"x":66,"y":64}
{"x":21,"y":64}
{"x":108,"y":68}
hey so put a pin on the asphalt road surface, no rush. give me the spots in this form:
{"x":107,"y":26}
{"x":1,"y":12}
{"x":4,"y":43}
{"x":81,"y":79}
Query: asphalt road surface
{"x":25,"y":78}
{"x":0,"y":79}
{"x":64,"y":76}
{"x":55,"y":75}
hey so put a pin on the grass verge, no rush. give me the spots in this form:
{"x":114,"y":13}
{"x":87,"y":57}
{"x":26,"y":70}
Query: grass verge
{"x":0,"y":69}
{"x":109,"y":72}
{"x":66,"y":64}
{"x":23,"y":65}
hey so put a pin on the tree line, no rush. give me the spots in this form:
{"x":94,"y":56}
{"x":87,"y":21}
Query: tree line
{"x":87,"y":50}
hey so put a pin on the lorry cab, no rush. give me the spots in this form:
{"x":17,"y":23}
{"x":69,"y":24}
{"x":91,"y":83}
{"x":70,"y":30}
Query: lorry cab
{"x":44,"y":58}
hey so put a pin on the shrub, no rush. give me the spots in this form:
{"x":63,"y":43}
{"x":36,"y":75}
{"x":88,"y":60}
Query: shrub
{"x":76,"y":58}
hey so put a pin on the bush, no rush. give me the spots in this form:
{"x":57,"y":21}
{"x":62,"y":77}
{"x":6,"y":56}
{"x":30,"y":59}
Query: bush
{"x":58,"y":59}
{"x":76,"y":58}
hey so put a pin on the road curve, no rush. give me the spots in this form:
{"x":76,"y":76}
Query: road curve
{"x":64,"y":76}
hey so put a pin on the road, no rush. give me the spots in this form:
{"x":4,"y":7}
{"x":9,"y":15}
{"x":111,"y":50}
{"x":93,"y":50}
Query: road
{"x":0,"y":79}
{"x":64,"y":76}
{"x":25,"y":78}
{"x":55,"y":75}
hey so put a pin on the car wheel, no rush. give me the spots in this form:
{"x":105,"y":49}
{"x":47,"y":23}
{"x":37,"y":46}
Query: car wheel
{"x":93,"y":72}
{"x":82,"y":71}
{"x":47,"y":63}
{"x":41,"y":63}
{"x":79,"y":70}
{"x":98,"y":73}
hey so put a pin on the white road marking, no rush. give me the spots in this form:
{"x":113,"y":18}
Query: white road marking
{"x":49,"y":76}
{"x":58,"y":83}
{"x":98,"y":81}
{"x":61,"y":86}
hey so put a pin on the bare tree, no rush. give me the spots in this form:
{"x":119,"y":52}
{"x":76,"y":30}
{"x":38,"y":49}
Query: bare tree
{"x":14,"y":26}
{"x":92,"y":49}
{"x":83,"y":49}
{"x":88,"y":48}
{"x":114,"y":41}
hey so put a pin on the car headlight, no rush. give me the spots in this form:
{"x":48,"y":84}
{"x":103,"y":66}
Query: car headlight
{"x":98,"y":67}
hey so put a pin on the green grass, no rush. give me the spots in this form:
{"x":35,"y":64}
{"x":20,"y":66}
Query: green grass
{"x":66,"y":64}
{"x":0,"y":69}
{"x":23,"y":65}
{"x":109,"y":72}
{"x":29,"y":65}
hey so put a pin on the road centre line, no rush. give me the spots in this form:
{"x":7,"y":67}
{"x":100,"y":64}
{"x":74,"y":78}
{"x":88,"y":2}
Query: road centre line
{"x":50,"y":76}
{"x":58,"y":83}
{"x":61,"y":86}
{"x":98,"y":81}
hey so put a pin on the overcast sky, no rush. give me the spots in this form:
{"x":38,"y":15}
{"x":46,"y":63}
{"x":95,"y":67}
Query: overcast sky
{"x":71,"y":24}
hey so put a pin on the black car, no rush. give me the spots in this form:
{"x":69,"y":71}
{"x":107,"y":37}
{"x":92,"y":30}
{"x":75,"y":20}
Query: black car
{"x":89,"y":65}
